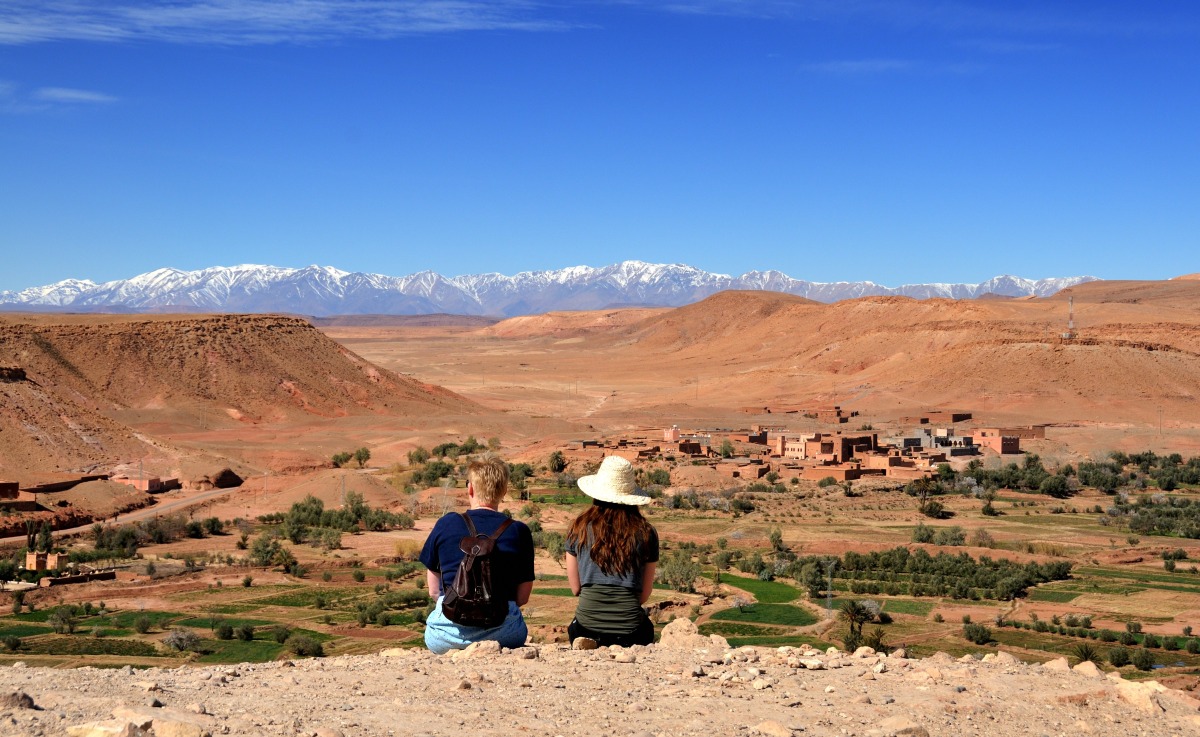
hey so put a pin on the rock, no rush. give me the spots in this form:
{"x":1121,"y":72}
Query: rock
{"x":106,"y":728}
{"x":328,"y":732}
{"x":832,"y":651}
{"x":880,"y":667}
{"x":482,"y":649}
{"x":899,"y":652}
{"x":584,"y":643}
{"x":758,"y":684}
{"x":1005,"y":658}
{"x":625,"y":656}
{"x":1058,"y":665}
{"x":527,"y":653}
{"x":1089,"y":669}
{"x":771,"y":728}
{"x":695,"y":671}
{"x":681,"y":634}
{"x":197,"y":708}
{"x":1143,"y":696}
{"x":148,"y":686}
{"x":17,"y":700}
{"x":394,"y":652}
{"x":812,"y":664}
{"x":464,"y":685}
{"x":153,"y":703}
{"x":901,"y":726}
{"x":864,"y":652}
{"x":164,"y":722}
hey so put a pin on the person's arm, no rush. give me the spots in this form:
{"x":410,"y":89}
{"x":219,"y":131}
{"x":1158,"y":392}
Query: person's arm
{"x":573,"y":574}
{"x":523,"y":592}
{"x":647,"y":582}
{"x":433,"y":581}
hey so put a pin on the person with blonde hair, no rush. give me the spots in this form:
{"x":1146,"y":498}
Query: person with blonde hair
{"x":612,"y":554}
{"x":510,"y":562}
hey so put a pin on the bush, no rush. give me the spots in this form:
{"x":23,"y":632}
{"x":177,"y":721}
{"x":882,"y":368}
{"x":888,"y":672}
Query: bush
{"x":977,"y":633}
{"x":12,"y":644}
{"x":247,"y":580}
{"x":305,"y":646}
{"x":280,"y":633}
{"x":1193,"y":646}
{"x":827,"y":481}
{"x":245,"y":633}
{"x":1086,"y":651}
{"x":1142,"y":659}
{"x":181,"y":640}
{"x":359,"y":575}
{"x":1118,"y":657}
{"x":224,"y":631}
{"x":923,"y":533}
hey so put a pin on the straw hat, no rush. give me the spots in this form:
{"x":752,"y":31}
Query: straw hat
{"x":613,"y":483}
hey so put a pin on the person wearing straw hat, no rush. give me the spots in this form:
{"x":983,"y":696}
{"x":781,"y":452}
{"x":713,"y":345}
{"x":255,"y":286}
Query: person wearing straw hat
{"x":612,"y":554}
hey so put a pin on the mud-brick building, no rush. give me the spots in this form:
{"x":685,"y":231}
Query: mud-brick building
{"x":45,"y":561}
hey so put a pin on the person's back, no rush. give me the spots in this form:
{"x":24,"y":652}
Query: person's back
{"x":511,"y":562}
{"x":612,"y":553}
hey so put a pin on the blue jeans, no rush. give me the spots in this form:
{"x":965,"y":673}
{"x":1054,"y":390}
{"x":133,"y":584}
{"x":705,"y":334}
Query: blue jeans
{"x":442,"y":635}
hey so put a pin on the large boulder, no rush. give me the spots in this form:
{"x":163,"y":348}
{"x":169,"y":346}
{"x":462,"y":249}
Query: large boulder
{"x":681,"y":634}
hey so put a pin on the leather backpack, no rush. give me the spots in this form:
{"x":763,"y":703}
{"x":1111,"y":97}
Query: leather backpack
{"x":471,"y":600}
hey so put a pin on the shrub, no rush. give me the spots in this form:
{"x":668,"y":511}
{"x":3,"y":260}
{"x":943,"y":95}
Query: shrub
{"x":304,"y":646}
{"x":224,"y":631}
{"x":1118,"y":657}
{"x":247,"y":580}
{"x":1127,"y":639}
{"x":1151,"y":641}
{"x":181,"y":639}
{"x":923,"y":533}
{"x":1170,"y":643}
{"x":326,"y":576}
{"x":977,"y":633}
{"x":12,"y":644}
{"x":1142,"y":659}
{"x":1086,"y":651}
{"x":359,"y":575}
{"x":827,"y":481}
{"x":1193,"y":646}
{"x":245,"y":633}
{"x":280,"y":633}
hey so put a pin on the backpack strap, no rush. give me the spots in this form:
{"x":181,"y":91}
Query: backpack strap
{"x":470,"y":525}
{"x":494,"y":536}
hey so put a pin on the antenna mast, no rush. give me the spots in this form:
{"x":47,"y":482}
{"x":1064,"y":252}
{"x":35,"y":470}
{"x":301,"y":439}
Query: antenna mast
{"x":1070,"y":334}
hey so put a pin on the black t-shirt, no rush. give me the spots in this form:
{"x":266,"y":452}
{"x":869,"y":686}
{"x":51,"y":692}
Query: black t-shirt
{"x":512,"y":558}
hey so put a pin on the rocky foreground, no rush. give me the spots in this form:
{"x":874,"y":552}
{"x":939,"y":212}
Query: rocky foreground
{"x":685,"y":685}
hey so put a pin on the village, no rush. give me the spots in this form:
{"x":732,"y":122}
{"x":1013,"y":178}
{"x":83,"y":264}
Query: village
{"x":932,"y":438}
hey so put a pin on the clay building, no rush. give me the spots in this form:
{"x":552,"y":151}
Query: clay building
{"x":1026,"y":432}
{"x":1002,"y":444}
{"x":936,"y":417}
{"x":45,"y":561}
{"x":829,"y":448}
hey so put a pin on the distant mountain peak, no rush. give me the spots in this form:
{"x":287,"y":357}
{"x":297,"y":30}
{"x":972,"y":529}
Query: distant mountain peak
{"x":326,"y":290}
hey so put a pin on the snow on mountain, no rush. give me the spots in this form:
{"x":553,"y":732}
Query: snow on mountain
{"x":324,"y":290}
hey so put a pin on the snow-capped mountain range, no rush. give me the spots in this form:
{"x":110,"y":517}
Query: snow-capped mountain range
{"x":324,"y":290}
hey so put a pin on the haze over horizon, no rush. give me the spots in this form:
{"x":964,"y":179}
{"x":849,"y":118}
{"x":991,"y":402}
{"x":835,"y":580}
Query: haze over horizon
{"x":900,"y":143}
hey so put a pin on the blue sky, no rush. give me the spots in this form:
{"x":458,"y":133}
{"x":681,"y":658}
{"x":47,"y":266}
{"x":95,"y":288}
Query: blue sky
{"x":898,"y":141}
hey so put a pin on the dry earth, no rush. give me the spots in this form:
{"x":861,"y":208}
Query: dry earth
{"x":684,"y":685}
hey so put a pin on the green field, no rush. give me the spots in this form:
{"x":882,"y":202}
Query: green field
{"x":238,"y":651}
{"x":766,"y":592}
{"x":1054,"y":595}
{"x":784,"y":614}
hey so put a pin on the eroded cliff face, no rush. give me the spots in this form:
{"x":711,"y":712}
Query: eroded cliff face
{"x":81,"y":391}
{"x":684,"y":685}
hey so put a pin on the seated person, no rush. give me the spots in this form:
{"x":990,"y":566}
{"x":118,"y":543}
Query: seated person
{"x":511,"y":562}
{"x":612,"y":554}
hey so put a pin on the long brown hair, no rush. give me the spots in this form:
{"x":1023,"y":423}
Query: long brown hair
{"x":619,"y":531}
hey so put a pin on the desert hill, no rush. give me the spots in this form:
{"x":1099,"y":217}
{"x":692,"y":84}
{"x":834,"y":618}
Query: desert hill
{"x":89,"y":380}
{"x":1135,"y":351}
{"x":570,"y":324}
{"x":685,"y":685}
{"x":883,"y":352}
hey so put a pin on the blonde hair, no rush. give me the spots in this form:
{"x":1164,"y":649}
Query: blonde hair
{"x":489,"y":476}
